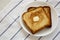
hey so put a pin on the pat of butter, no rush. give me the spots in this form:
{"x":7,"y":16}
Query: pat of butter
{"x":36,"y":18}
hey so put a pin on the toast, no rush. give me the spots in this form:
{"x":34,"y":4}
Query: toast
{"x":37,"y":19}
{"x":47,"y":11}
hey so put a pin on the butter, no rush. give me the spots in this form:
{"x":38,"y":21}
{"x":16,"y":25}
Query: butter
{"x":36,"y":18}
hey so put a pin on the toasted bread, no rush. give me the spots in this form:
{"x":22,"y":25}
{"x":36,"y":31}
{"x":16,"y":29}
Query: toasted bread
{"x":36,"y":19}
{"x":47,"y":11}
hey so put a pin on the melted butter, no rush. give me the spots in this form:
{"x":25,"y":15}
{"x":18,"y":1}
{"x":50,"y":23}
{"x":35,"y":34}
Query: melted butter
{"x":36,"y":18}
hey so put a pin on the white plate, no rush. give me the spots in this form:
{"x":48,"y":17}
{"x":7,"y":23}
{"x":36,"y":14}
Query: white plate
{"x":54,"y":18}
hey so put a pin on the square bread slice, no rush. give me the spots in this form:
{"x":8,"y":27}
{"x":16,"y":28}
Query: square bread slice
{"x":36,"y":20}
{"x":47,"y":11}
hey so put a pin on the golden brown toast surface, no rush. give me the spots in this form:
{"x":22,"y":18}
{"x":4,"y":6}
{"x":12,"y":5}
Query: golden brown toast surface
{"x":36,"y":19}
{"x":47,"y":11}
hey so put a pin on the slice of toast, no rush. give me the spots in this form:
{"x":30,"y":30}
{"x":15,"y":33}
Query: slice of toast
{"x":36,"y":19}
{"x":47,"y":11}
